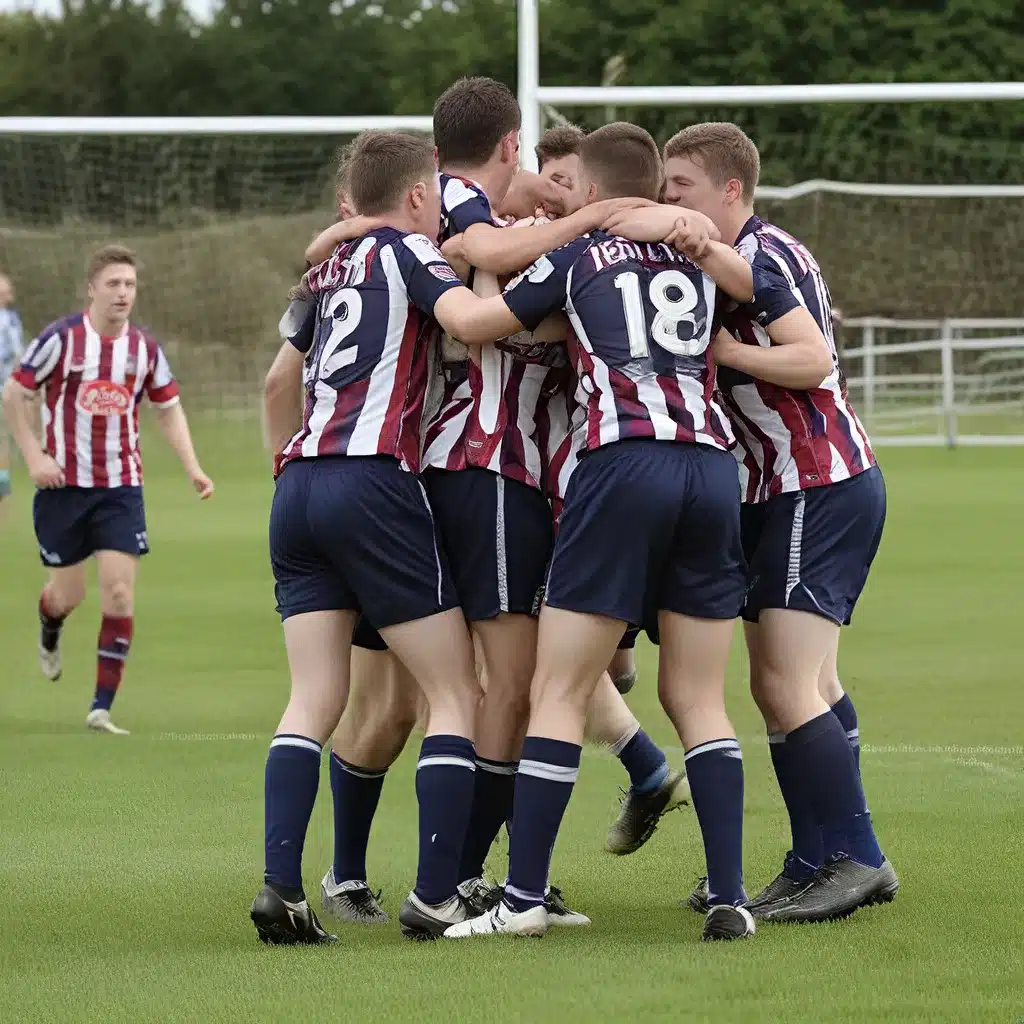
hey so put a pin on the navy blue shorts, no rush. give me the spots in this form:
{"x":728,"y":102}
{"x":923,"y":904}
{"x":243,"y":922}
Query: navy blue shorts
{"x":73,"y":523}
{"x":356,"y":533}
{"x":811,"y":550}
{"x":497,"y":534}
{"x":628,"y":641}
{"x":650,"y":525}
{"x":365,"y":636}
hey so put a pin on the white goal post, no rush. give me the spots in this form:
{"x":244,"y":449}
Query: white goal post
{"x":952,"y":380}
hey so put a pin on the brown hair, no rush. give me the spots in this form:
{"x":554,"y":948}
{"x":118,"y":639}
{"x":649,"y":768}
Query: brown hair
{"x":558,"y":141}
{"x":723,"y":149}
{"x":341,"y":175}
{"x":382,"y":166}
{"x":109,"y":256}
{"x":470,"y":118}
{"x":623,"y":160}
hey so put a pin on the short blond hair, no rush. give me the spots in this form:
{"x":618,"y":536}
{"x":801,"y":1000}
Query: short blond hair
{"x":109,"y":256}
{"x":723,"y":149}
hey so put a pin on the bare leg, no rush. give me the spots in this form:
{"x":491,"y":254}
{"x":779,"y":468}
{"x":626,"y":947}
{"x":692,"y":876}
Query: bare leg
{"x":63,"y":593}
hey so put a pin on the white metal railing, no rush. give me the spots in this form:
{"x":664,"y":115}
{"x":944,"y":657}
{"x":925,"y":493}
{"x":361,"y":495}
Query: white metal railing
{"x":948,"y":339}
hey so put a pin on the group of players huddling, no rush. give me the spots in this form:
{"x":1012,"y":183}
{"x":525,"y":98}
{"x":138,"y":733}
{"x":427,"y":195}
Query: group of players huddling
{"x":484,"y":490}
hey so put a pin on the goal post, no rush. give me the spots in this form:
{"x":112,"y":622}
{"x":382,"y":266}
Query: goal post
{"x":220,"y":210}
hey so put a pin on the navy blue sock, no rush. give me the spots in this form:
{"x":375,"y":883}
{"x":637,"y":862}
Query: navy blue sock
{"x":444,"y":790}
{"x":822,"y":755}
{"x":356,"y":792}
{"x":803,"y":823}
{"x":844,"y":710}
{"x":644,"y":760}
{"x":292,"y":779}
{"x":547,"y":772}
{"x":715,"y":771}
{"x":493,"y":792}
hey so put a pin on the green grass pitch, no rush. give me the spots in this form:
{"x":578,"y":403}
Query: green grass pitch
{"x":127,"y":865}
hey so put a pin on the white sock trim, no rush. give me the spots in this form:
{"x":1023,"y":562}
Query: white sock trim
{"x":448,"y":759}
{"x":296,"y":741}
{"x":620,"y":744}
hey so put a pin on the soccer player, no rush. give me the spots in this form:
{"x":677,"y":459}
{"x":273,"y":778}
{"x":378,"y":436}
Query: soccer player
{"x":94,"y":368}
{"x":654,"y":789}
{"x":558,"y":159}
{"x":813,"y":512}
{"x":649,"y":533}
{"x":363,"y":323}
{"x":10,"y":355}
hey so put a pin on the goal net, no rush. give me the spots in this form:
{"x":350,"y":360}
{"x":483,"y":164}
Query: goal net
{"x":220,"y":223}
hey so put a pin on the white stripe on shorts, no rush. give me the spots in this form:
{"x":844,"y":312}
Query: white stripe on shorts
{"x":499,"y":539}
{"x":437,"y":554}
{"x":796,"y":537}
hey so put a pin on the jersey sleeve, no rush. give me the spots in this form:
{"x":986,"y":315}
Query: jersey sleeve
{"x":160,"y":386}
{"x":463,"y":205}
{"x":775,"y":292}
{"x":427,"y":274}
{"x":40,"y":359}
{"x":542,"y":289}
{"x":298,"y":324}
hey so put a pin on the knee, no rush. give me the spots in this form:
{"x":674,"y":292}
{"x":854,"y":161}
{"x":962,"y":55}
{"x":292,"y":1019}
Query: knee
{"x":565,"y":690}
{"x":64,"y":597}
{"x":399,"y":714}
{"x":118,"y":598}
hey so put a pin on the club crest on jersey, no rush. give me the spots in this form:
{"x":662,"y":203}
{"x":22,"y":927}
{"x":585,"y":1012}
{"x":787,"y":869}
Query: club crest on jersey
{"x":103,"y":398}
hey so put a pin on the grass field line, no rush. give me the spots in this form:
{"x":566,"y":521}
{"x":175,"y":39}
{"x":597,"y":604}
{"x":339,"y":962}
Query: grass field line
{"x":956,"y":753}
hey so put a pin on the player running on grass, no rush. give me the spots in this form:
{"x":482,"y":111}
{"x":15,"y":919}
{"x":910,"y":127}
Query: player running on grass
{"x":812,"y":518}
{"x":649,"y":533}
{"x":93,"y":369}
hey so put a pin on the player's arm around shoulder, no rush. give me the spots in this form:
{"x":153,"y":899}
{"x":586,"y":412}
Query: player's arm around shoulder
{"x":799,"y":356}
{"x":435,"y":288}
{"x":504,"y":251}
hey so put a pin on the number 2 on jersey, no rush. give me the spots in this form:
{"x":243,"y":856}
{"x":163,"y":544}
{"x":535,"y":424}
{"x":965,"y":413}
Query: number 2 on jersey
{"x":670,"y":313}
{"x":331,"y":357}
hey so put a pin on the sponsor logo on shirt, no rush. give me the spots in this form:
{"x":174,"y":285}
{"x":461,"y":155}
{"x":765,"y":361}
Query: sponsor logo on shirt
{"x":103,"y":398}
{"x":443,"y":272}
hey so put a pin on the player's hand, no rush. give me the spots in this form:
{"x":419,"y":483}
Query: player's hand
{"x":530,"y":192}
{"x":202,"y":483}
{"x":693,"y":234}
{"x":524,"y":222}
{"x":724,"y":348}
{"x":45,"y":473}
{"x":647,"y":223}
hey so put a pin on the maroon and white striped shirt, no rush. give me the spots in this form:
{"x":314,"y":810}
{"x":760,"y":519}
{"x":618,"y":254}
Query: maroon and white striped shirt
{"x":789,"y":439}
{"x":91,"y":390}
{"x":486,"y":415}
